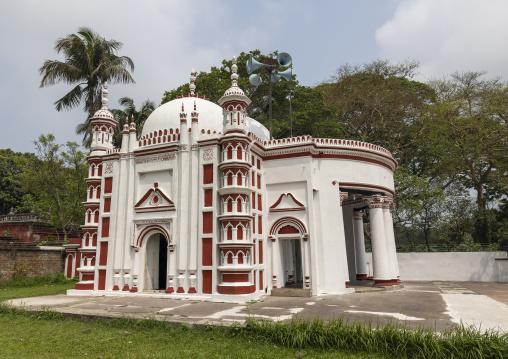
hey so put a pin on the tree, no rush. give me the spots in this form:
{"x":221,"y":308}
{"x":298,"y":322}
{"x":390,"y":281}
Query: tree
{"x":467,"y":127}
{"x":419,"y":205}
{"x":130,"y":112}
{"x":90,"y":60}
{"x":57,"y":180}
{"x":12,"y":166}
{"x":379,"y":103}
{"x":311,"y":116}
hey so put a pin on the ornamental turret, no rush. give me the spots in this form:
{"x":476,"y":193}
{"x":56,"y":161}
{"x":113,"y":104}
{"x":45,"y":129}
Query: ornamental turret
{"x":234,"y":104}
{"x":103,"y":125}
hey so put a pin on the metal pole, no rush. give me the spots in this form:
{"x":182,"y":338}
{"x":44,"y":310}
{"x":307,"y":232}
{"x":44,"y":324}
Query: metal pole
{"x":270,"y":100}
{"x":290,"y":111}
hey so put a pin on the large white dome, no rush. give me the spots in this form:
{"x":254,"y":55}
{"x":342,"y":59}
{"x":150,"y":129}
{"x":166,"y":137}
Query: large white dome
{"x":167,"y":116}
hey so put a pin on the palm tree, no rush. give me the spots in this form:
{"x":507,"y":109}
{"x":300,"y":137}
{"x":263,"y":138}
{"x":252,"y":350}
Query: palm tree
{"x":130,"y":112}
{"x":90,"y":60}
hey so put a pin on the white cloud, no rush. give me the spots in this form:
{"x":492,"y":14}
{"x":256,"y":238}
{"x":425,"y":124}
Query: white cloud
{"x":448,"y":35}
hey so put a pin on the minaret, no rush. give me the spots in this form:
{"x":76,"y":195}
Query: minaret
{"x":184,"y":134}
{"x":236,"y":244}
{"x":125,"y":137}
{"x":103,"y":126}
{"x":133,"y":143}
{"x":194,"y":126}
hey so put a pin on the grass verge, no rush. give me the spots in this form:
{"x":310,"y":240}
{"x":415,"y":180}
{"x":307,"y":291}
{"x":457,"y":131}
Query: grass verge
{"x":392,"y":340}
{"x":48,"y":335}
{"x":22,"y":287}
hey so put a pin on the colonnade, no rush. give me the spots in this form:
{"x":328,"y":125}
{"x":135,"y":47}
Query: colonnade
{"x":278,"y":267}
{"x":385,"y":266}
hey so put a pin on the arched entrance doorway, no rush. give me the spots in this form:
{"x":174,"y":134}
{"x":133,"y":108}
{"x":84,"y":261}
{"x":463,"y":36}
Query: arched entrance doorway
{"x":290,"y":262}
{"x":156,"y":263}
{"x":291,"y":259}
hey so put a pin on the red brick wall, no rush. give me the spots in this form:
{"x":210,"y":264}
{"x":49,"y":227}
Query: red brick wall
{"x":32,"y":260}
{"x":28,"y":228}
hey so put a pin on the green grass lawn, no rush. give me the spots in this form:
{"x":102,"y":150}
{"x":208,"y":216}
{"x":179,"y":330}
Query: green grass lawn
{"x":28,"y":337}
{"x":36,"y":291}
{"x":21,"y":287}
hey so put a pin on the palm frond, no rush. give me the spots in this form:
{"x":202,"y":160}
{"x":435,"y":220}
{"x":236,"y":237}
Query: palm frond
{"x":71,"y":99}
{"x":56,"y":71}
{"x":118,"y":73}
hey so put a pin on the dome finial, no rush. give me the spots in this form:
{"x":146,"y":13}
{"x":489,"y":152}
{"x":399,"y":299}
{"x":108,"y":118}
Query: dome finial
{"x":234,"y":75}
{"x":132,"y":125}
{"x":126,"y":125}
{"x":192,"y":80}
{"x":105,"y":95}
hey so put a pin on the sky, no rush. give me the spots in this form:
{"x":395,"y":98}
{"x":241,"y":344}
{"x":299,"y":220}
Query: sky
{"x":167,"y":38}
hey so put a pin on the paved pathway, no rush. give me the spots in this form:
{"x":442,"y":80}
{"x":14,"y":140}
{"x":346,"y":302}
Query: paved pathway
{"x":437,"y":305}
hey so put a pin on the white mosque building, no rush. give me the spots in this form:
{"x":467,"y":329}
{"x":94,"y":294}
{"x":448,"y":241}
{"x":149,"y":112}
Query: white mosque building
{"x":205,"y":205}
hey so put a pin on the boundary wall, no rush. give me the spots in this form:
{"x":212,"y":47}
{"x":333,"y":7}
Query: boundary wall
{"x":30,"y":260}
{"x":451,"y":266}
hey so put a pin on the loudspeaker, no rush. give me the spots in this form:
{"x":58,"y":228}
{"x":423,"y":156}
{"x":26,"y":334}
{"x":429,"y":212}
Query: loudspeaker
{"x":274,"y":78}
{"x":253,"y":65}
{"x":284,"y":59}
{"x":286,"y":74}
{"x":255,"y":79}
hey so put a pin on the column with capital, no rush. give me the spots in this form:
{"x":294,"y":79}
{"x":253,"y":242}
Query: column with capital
{"x":390,"y":239}
{"x":361,"y":262}
{"x":275,"y":260}
{"x":380,"y":261}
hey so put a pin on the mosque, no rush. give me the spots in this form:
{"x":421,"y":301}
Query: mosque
{"x":205,"y":205}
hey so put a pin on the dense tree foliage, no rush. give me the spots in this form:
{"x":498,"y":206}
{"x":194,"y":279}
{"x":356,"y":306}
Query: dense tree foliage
{"x":90,"y":60}
{"x":469,"y":123}
{"x":12,"y":167}
{"x":379,"y":103}
{"x":467,"y":132}
{"x":55,"y":184}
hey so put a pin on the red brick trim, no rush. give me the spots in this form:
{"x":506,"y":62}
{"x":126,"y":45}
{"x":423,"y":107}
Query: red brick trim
{"x":385,"y":283}
{"x":230,"y":290}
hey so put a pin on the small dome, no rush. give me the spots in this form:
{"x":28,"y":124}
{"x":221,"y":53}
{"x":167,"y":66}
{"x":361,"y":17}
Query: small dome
{"x":103,"y":113}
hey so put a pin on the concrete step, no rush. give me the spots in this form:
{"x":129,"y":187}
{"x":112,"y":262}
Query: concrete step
{"x":291,"y":292}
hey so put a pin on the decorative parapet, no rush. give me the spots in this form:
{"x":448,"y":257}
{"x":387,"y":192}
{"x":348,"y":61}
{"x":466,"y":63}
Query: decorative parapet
{"x":328,"y":142}
{"x":20,"y":218}
{"x":115,"y":150}
{"x":160,"y":137}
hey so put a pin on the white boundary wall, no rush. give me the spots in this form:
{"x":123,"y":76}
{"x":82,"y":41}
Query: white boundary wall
{"x":454,"y":266}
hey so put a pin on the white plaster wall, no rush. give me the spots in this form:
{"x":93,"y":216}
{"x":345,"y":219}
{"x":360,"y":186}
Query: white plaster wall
{"x":454,"y":266}
{"x":163,"y":177}
{"x":351,"y":171}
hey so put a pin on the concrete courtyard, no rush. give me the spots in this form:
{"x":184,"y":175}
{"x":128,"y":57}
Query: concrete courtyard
{"x":437,"y":305}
